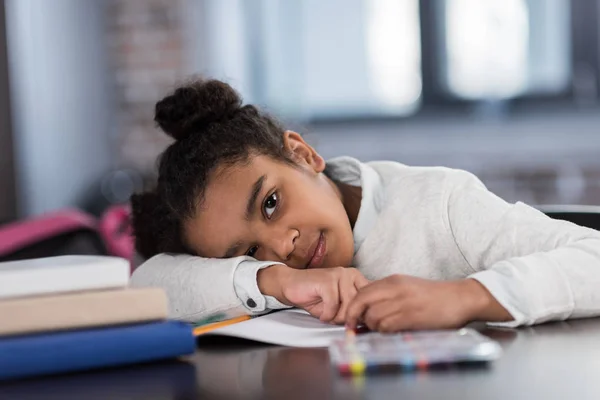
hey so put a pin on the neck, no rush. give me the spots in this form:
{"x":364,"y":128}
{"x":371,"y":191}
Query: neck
{"x":351,"y":197}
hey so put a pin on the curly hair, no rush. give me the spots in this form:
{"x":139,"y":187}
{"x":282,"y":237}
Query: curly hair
{"x":211,"y":129}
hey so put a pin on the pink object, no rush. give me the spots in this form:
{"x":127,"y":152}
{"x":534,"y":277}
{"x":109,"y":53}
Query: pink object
{"x":18,"y":235}
{"x":115,"y":230}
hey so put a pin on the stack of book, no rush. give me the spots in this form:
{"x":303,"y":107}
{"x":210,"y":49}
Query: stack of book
{"x":71,"y":313}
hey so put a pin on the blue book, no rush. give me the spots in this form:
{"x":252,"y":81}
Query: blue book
{"x":171,"y":379}
{"x":68,"y":351}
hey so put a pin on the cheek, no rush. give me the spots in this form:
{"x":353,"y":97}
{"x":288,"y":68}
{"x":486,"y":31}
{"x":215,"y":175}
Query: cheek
{"x":319,"y":207}
{"x":328,"y":213}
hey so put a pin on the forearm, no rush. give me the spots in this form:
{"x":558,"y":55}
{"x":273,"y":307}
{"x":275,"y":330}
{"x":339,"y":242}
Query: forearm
{"x":547,"y":286}
{"x":198,"y":287}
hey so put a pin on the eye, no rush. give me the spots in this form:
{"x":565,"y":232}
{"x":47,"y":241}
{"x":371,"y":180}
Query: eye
{"x":270,"y":205}
{"x":252,"y":251}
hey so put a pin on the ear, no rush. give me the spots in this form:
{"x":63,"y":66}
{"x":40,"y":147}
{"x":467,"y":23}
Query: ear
{"x":302,"y":152}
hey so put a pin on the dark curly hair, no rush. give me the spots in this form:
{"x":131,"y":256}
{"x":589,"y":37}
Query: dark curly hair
{"x":211,"y":129}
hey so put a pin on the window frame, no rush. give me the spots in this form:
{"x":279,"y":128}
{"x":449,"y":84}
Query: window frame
{"x":585,"y":44}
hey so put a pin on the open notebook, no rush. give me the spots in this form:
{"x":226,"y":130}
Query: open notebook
{"x":293,"y":327}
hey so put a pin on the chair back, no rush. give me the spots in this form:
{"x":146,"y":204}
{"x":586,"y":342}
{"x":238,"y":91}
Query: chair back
{"x":588,"y":216}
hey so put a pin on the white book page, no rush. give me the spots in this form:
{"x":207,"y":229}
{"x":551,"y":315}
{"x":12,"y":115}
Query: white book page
{"x":293,"y":328}
{"x":62,"y":274}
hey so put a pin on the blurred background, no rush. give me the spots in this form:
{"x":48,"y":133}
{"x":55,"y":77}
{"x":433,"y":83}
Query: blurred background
{"x":507,"y":89}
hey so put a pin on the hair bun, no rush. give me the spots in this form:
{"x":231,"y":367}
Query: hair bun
{"x":194,"y":106}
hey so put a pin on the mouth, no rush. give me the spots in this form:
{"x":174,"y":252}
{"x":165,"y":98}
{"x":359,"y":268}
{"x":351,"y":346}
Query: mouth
{"x":317,"y":252}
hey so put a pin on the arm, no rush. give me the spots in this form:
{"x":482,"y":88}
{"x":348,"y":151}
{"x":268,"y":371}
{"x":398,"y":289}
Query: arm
{"x":198,"y":288}
{"x":537,"y":268}
{"x":527,"y":269}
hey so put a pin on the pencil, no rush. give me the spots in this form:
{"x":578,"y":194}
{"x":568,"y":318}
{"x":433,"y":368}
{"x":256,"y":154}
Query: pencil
{"x":210,"y":327}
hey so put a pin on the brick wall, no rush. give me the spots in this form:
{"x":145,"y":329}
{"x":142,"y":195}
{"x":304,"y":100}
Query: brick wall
{"x":146,"y":46}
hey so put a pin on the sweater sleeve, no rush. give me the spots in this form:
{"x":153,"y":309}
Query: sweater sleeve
{"x":200,"y":288}
{"x":538,"y":268}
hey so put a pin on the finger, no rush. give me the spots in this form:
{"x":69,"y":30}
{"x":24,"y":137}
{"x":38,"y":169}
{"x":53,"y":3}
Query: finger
{"x":370,"y":294}
{"x":377,"y":312}
{"x":331,"y":302}
{"x":347,"y":291}
{"x":394,"y":323}
{"x":382,"y":286}
{"x":348,"y":295}
{"x":355,"y":311}
{"x":360,"y":281}
{"x":315,"y":309}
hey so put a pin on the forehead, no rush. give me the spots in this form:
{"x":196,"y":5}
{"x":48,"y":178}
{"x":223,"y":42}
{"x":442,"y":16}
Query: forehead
{"x":238,"y":179}
{"x":220,"y":219}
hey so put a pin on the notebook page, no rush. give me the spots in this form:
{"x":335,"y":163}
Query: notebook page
{"x":294,"y":328}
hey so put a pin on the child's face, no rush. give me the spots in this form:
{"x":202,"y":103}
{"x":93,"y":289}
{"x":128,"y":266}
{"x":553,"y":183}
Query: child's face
{"x":273,"y":211}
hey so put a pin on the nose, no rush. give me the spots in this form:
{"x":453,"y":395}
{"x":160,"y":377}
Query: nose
{"x":282,"y":244}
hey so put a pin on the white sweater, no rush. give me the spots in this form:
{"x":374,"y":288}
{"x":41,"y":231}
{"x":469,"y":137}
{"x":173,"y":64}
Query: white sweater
{"x":434,"y":223}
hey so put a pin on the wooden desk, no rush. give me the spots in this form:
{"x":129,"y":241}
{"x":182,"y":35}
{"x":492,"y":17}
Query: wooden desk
{"x":555,"y":361}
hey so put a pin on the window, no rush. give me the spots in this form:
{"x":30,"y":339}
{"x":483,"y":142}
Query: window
{"x":321,"y":59}
{"x":339,"y":59}
{"x":498,"y":49}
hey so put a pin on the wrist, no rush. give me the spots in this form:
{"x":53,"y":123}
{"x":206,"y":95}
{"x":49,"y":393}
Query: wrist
{"x":270,"y":280}
{"x":481,"y":305}
{"x":475,"y":298}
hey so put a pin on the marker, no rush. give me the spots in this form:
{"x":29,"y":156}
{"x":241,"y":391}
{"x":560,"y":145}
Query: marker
{"x":361,"y":329}
{"x":357,"y":366}
{"x":350,"y":334}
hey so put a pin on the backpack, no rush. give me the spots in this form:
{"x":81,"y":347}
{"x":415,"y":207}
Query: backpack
{"x":68,"y":232}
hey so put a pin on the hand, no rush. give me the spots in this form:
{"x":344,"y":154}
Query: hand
{"x":402,"y":302}
{"x":324,"y":292}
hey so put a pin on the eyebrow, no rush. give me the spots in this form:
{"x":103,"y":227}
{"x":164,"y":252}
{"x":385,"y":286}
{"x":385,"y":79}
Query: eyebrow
{"x":250,"y":207}
{"x":256,"y":189}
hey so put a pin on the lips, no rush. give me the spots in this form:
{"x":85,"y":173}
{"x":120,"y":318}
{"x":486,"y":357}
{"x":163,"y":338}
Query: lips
{"x":317,"y":251}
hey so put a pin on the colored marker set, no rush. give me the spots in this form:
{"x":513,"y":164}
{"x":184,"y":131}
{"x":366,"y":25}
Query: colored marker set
{"x":376,"y":352}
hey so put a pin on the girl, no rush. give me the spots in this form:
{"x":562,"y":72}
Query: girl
{"x":248,"y":218}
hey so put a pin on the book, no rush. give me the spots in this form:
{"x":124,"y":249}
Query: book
{"x":291,"y":327}
{"x":81,"y":310}
{"x":62,"y":274}
{"x":173,"y":379}
{"x":59,"y":352}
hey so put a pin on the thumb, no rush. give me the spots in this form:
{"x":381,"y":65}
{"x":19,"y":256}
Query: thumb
{"x":331,"y":302}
